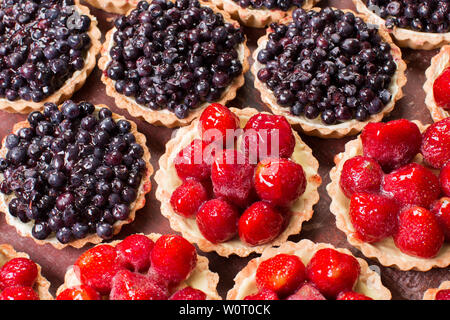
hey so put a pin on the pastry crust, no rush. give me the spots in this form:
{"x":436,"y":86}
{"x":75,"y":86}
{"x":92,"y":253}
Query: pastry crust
{"x":114,"y":6}
{"x":200,"y":278}
{"x":405,"y":37}
{"x":167,"y":181}
{"x":72,"y":84}
{"x":385,"y":251}
{"x":369,"y":282}
{"x":165,"y":117}
{"x":316,"y":127}
{"x":430,"y":294}
{"x":24,"y":229}
{"x":439,"y":63}
{"x":257,"y":18}
{"x":41,"y":285}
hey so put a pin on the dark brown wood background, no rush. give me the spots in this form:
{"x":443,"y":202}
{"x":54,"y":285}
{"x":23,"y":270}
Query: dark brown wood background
{"x":321,"y":228}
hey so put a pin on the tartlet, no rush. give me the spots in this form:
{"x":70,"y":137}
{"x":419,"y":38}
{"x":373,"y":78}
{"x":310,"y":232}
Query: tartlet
{"x":167,"y":180}
{"x":430,"y":294}
{"x":113,"y":6}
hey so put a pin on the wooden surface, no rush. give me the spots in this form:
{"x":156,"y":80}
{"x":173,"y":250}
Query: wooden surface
{"x":321,"y":228}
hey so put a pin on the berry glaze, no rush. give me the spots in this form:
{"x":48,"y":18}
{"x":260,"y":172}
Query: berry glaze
{"x":283,"y":5}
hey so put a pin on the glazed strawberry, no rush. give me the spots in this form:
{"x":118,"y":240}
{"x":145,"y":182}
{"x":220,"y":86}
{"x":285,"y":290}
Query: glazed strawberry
{"x":374,"y":217}
{"x":391,"y":144}
{"x":216,"y":121}
{"x":441,"y":90}
{"x":264,"y":132}
{"x":282,"y":273}
{"x":18,"y":271}
{"x":436,"y":144}
{"x":127,"y":285}
{"x":332,"y":272}
{"x":81,"y":292}
{"x":360,"y":174}
{"x":443,"y":294}
{"x":444,"y":179}
{"x":279,"y":181}
{"x":194,"y":161}
{"x":173,"y":257}
{"x":263,"y":294}
{"x":187,"y":198}
{"x":419,"y":233}
{"x":134,"y":252}
{"x":97,"y":266}
{"x":19,"y":293}
{"x":441,"y":210}
{"x":413,"y":184}
{"x":260,"y":223}
{"x":352,"y":295}
{"x":307,"y":292}
{"x":217,"y":220}
{"x":188,"y":293}
{"x":232,"y":176}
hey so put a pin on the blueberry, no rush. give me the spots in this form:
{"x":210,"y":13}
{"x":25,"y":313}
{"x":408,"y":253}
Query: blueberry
{"x":104,"y":230}
{"x":64,"y":235}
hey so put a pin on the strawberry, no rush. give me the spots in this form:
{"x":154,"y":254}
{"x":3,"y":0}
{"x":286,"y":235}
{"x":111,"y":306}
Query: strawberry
{"x":188,"y":293}
{"x":263,"y":294}
{"x":419,"y":233}
{"x":260,"y":223}
{"x":441,"y":210}
{"x":436,"y":144}
{"x":352,"y":295}
{"x":332,"y":272}
{"x":441,"y":92}
{"x":217,"y":220}
{"x":81,"y":292}
{"x":443,"y":294}
{"x":127,"y":285}
{"x":173,"y":257}
{"x":279,"y":181}
{"x":216,"y":121}
{"x":444,"y":179}
{"x":374,"y":217}
{"x":391,"y":144}
{"x":134,"y":252}
{"x":19,"y":293}
{"x":282,"y":274}
{"x":18,"y":272}
{"x":307,"y":292}
{"x":187,"y":198}
{"x":194,"y":161}
{"x":97,"y":266}
{"x":360,"y":174}
{"x":413,"y":184}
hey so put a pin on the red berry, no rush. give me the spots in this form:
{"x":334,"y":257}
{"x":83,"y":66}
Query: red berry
{"x":419,"y":233}
{"x":187,"y":198}
{"x":332,"y":272}
{"x":19,"y":293}
{"x":194,"y":161}
{"x":436,"y":144}
{"x":217,"y":220}
{"x":232,"y":176}
{"x":374,"y":217}
{"x":264,"y":294}
{"x":80,"y":292}
{"x":264,"y":132}
{"x":279,"y":181}
{"x":360,"y":174}
{"x":441,"y":210}
{"x":188,"y":293}
{"x":307,"y":292}
{"x":444,"y":179}
{"x":134,"y":252}
{"x":443,"y":294}
{"x":260,"y":223}
{"x":441,"y":90}
{"x":127,"y":285}
{"x":282,"y":274}
{"x":97,"y":266}
{"x":352,"y":295}
{"x":391,"y":144}
{"x":214,"y":122}
{"x":173,"y":257}
{"x":18,"y":272}
{"x":413,"y":184}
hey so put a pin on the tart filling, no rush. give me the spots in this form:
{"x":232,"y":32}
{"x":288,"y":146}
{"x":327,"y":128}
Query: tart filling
{"x":165,"y":60}
{"x":368,"y":282}
{"x":441,"y":293}
{"x":52,"y":55}
{"x":73,"y":175}
{"x":328,"y":71}
{"x":114,"y":6}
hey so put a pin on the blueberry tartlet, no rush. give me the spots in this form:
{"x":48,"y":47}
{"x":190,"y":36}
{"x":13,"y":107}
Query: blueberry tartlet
{"x":415,"y":24}
{"x":114,"y":6}
{"x":73,"y":175}
{"x":51,"y":55}
{"x":328,"y":72}
{"x":261,"y":13}
{"x":165,"y":61}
